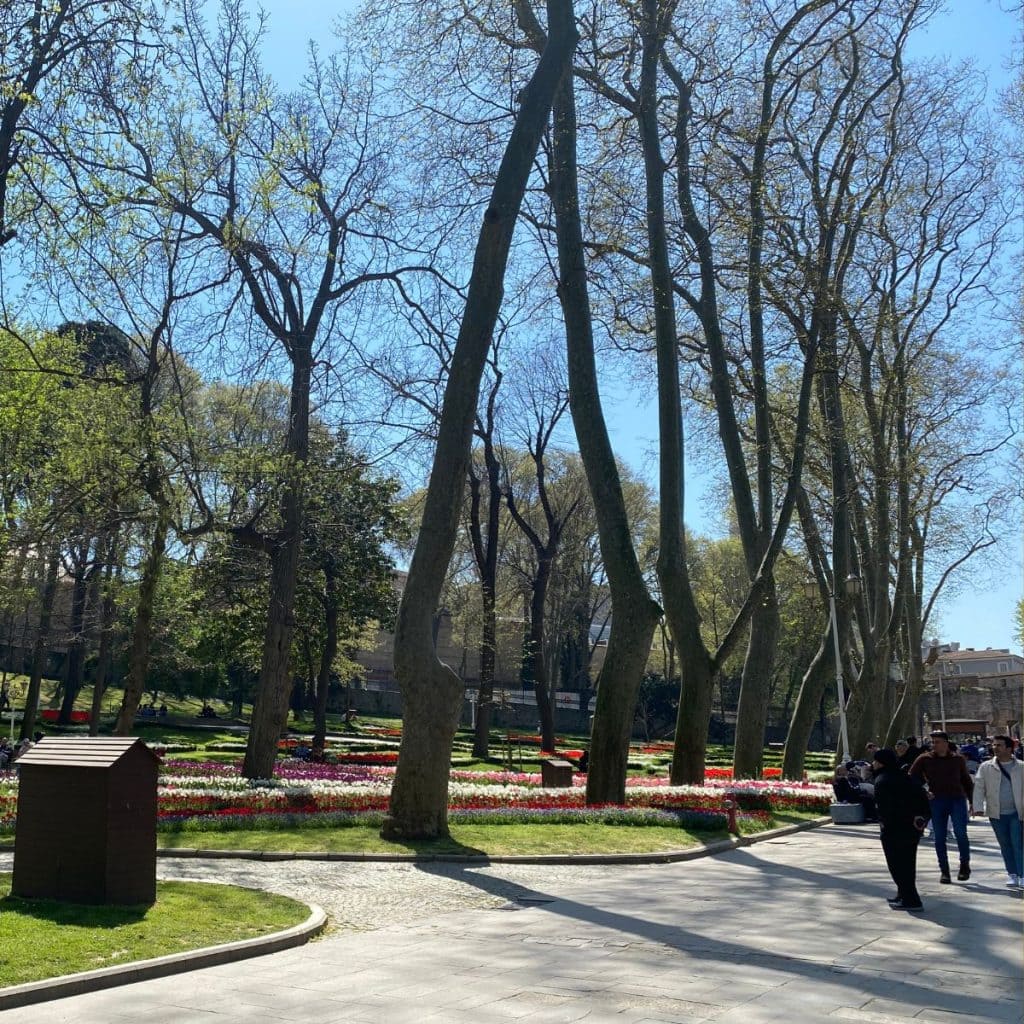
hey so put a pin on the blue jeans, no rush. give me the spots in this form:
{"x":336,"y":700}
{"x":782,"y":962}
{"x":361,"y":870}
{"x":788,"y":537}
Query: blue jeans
{"x":1007,"y":828}
{"x":945,"y":808}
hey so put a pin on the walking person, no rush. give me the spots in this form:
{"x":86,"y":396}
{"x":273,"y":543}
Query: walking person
{"x":950,"y":788}
{"x":902,"y":808}
{"x":999,"y":793}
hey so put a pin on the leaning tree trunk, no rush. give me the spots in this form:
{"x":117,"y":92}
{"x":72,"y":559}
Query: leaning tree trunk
{"x":270,"y":705}
{"x":634,"y":615}
{"x":431,"y":691}
{"x":35,"y":679}
{"x":142,"y":631}
{"x":807,"y":702}
{"x":752,"y":711}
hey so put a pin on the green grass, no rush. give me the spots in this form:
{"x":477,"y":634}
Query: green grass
{"x":46,"y":939}
{"x":490,"y":840}
{"x":206,"y":755}
{"x":156,"y":734}
{"x":181,"y":706}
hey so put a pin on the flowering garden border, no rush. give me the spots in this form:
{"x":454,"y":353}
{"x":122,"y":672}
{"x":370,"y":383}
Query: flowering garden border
{"x":212,"y":796}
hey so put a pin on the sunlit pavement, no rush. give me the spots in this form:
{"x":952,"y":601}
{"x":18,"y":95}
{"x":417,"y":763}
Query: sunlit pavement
{"x":792,"y":929}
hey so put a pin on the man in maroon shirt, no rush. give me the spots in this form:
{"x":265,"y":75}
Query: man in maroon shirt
{"x":949,"y":792}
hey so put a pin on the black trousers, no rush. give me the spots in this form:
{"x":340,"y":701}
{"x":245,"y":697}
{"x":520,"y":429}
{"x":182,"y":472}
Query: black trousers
{"x":900,"y":848}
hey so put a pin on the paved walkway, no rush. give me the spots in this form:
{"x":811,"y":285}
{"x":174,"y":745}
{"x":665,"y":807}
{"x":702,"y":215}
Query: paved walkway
{"x":794,"y":929}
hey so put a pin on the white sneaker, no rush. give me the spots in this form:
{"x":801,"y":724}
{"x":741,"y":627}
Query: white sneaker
{"x":1012,"y":881}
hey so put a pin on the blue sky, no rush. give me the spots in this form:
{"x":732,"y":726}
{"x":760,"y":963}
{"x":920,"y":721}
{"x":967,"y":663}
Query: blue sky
{"x":980,"y":30}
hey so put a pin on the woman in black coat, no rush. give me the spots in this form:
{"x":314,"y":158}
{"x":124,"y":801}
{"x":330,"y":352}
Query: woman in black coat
{"x":903,"y":812}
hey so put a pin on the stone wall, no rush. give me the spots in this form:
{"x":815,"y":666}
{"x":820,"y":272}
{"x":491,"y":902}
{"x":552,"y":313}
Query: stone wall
{"x":999,"y":706}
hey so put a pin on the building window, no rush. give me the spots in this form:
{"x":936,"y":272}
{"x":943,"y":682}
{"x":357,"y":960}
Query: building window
{"x":1003,"y":666}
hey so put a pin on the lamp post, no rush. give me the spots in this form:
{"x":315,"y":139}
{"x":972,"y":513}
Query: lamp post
{"x":942,"y":702}
{"x":852,"y":587}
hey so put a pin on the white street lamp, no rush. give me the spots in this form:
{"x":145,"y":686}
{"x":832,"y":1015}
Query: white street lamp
{"x":852,"y":587}
{"x":942,"y":702}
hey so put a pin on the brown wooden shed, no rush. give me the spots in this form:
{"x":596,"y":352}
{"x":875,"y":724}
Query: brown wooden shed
{"x":86,"y":826}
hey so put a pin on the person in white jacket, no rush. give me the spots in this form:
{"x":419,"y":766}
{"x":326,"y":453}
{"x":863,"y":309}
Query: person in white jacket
{"x":999,"y":793}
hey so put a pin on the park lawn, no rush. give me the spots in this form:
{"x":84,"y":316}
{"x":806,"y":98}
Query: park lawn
{"x":181,"y":706}
{"x":47,"y":939}
{"x":489,"y":840}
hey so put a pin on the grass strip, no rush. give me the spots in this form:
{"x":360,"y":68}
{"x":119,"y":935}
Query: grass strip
{"x":47,"y":939}
{"x":488,"y":840}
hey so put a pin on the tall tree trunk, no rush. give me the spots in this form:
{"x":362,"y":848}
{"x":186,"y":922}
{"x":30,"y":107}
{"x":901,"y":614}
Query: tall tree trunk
{"x":485,"y":552}
{"x":270,"y":705}
{"x":327,"y":656}
{"x":807,"y":703}
{"x":103,"y":656}
{"x":485,"y":685}
{"x":752,"y":711}
{"x":103,"y":602}
{"x":866,"y":718}
{"x":74,"y":667}
{"x":634,"y":615}
{"x":689,"y":752}
{"x":904,"y":717}
{"x":673,"y":573}
{"x":431,"y":691}
{"x":39,"y":649}
{"x":142,"y":630}
{"x":541,"y":679}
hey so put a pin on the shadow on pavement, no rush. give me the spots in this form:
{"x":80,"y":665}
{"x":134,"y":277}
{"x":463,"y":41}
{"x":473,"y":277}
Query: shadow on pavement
{"x":916,"y":990}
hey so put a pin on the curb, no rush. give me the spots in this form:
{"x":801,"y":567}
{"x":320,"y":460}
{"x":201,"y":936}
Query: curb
{"x":162,"y":966}
{"x":662,"y":857}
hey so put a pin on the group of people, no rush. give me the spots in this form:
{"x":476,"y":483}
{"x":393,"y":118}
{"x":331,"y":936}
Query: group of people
{"x":9,"y":754}
{"x":937,"y":787}
{"x":854,"y":781}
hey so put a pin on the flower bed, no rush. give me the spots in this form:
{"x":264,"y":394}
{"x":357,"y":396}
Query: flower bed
{"x":53,"y":714}
{"x":316,"y":790}
{"x":195,"y":795}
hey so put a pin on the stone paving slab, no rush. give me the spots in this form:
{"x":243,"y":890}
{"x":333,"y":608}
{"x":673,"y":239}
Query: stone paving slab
{"x":792,"y":929}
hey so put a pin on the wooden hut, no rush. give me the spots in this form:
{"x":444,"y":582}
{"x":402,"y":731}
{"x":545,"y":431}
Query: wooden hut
{"x":86,"y":827}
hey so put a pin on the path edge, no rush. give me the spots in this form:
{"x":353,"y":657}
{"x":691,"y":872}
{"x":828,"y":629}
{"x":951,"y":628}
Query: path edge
{"x":162,"y":966}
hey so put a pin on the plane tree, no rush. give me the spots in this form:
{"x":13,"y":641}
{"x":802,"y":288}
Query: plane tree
{"x":287,"y":195}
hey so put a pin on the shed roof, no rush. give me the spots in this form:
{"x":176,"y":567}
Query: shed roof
{"x":82,"y":751}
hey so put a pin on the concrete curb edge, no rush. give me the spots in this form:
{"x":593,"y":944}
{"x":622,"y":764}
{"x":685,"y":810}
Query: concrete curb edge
{"x":162,"y":966}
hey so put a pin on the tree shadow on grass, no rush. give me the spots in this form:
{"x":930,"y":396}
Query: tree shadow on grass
{"x":78,"y":915}
{"x":440,"y":849}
